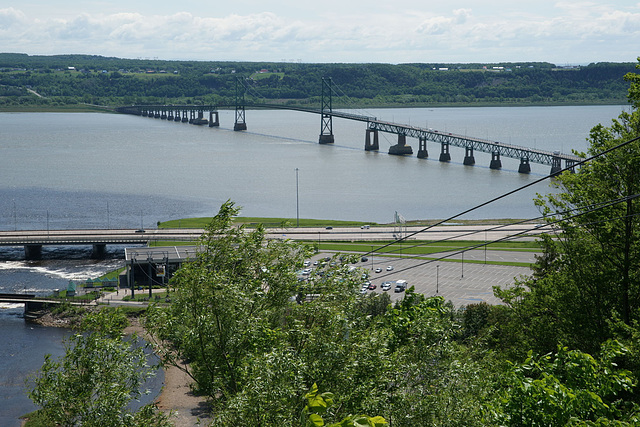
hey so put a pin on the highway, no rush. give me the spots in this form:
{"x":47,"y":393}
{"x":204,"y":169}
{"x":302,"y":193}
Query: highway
{"x":132,"y":236}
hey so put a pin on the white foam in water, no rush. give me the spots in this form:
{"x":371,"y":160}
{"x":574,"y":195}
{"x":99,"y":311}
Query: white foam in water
{"x":64,"y":270}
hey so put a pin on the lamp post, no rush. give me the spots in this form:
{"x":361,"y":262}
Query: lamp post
{"x":297,"y":202}
{"x":437,"y":277}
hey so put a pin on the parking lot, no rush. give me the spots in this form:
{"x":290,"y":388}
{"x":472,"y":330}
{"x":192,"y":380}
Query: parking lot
{"x":458,"y":282}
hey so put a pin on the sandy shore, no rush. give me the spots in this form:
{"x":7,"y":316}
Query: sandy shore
{"x":176,"y":398}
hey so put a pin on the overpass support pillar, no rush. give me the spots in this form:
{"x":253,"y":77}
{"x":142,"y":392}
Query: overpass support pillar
{"x":401,"y":148}
{"x":469,"y":159}
{"x":445,"y":156}
{"x":33,"y":251}
{"x":524,"y":167}
{"x":556,"y":165}
{"x":496,"y":163}
{"x":368,"y":146}
{"x":99,"y":251}
{"x":213,"y":122}
{"x":422,"y":148}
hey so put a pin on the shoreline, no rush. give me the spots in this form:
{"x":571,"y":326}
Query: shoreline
{"x":175,"y":397}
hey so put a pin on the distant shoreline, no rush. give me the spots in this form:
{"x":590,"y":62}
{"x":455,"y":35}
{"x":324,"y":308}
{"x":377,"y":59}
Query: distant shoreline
{"x":86,"y":108}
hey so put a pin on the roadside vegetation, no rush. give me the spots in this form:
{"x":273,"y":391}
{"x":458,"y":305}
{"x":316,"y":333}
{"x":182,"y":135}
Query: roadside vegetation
{"x":266,"y":348}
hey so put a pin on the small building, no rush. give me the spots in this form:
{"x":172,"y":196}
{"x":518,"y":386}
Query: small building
{"x":154,"y":266}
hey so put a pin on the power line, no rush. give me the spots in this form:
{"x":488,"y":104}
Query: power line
{"x":513,"y":236}
{"x":537,"y":181}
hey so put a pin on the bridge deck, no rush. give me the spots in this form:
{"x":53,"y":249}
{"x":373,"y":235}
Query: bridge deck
{"x":95,"y":237}
{"x":428,"y":134}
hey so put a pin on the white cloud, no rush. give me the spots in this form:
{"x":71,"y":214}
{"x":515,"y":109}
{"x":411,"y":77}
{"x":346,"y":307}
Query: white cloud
{"x":499,"y":30}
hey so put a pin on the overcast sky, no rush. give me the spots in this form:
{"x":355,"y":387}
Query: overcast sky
{"x":390,"y":31}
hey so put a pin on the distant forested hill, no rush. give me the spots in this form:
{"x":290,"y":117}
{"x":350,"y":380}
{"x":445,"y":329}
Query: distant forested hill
{"x":72,"y":79}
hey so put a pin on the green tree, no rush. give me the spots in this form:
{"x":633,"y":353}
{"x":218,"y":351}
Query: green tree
{"x":99,"y":375}
{"x":568,"y":388}
{"x":589,"y":273}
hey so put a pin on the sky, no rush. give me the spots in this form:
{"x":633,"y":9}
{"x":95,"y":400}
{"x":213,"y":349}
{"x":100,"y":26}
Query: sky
{"x":328,"y":31}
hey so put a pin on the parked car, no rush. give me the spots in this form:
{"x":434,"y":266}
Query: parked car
{"x":364,"y":259}
{"x":390,"y":268}
{"x":372,"y":286}
{"x":386,"y":286}
{"x":378,"y":270}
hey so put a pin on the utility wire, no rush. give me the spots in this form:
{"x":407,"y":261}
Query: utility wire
{"x":590,"y":208}
{"x":537,"y":181}
{"x":513,"y":236}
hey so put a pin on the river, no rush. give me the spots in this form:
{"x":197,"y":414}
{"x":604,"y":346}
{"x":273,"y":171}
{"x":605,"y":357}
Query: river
{"x":63,"y":170}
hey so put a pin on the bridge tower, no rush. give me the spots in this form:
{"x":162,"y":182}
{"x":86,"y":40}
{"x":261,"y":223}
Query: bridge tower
{"x":326,"y":118}
{"x":240,"y":123}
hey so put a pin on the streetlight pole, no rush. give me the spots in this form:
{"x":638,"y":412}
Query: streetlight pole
{"x":437,"y":277}
{"x":297,"y":202}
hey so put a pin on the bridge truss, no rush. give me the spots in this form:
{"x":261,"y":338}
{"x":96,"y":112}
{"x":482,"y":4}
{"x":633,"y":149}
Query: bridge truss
{"x":195,"y":114}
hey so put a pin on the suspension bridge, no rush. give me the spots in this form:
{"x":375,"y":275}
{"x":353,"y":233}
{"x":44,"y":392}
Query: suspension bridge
{"x":209,"y":115}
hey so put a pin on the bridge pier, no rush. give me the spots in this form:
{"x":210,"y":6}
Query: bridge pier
{"x":524,"y":167}
{"x":177,"y":117}
{"x":401,"y":148}
{"x":422,"y":148}
{"x":496,"y":163}
{"x":215,"y":122}
{"x":368,"y":146}
{"x":163,"y":115}
{"x":445,"y":156}
{"x":556,"y":165}
{"x":170,"y":115}
{"x":469,"y":159}
{"x":32,"y":252}
{"x":185,"y":116}
{"x":99,"y":251}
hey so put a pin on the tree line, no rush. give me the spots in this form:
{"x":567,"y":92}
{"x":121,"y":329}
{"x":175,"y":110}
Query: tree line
{"x":73,"y":79}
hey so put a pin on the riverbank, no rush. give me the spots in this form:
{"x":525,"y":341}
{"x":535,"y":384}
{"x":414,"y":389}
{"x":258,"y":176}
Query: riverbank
{"x":175,"y":398}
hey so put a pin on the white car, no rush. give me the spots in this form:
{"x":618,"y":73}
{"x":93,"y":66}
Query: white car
{"x":378,"y":270}
{"x":386,"y":286}
{"x":390,"y":268}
